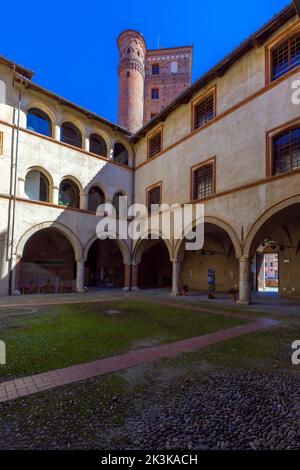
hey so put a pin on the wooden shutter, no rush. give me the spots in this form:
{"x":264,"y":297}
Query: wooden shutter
{"x":153,"y":196}
{"x":155,"y":144}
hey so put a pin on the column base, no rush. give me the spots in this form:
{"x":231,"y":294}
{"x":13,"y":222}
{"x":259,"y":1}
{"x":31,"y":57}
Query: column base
{"x":244,"y":302}
{"x":135,"y":288}
{"x":174,"y":294}
{"x":80,"y":291}
{"x":16,"y":292}
{"x":126,"y":288}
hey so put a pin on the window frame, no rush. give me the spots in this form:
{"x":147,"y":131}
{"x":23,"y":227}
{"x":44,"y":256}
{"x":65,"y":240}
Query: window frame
{"x":158,"y":68}
{"x":211,"y":91}
{"x":288,"y":34}
{"x":149,"y":189}
{"x":270,"y":137}
{"x":198,"y":166}
{"x":155,"y":89}
{"x":39,"y":112}
{"x":153,"y":134}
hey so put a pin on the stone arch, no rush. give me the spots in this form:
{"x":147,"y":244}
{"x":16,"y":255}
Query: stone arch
{"x":36,"y":104}
{"x":120,"y":243}
{"x":42,"y":170}
{"x":74,"y":180}
{"x":221,"y":224}
{"x":262,"y":219}
{"x":104,"y":136}
{"x":63,"y":229}
{"x":139,"y":247}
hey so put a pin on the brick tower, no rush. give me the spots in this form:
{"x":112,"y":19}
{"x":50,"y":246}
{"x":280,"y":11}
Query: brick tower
{"x":132,"y":49}
{"x":168,"y":73}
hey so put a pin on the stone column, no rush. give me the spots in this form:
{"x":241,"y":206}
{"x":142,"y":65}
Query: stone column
{"x":244,"y":281}
{"x":175,"y":277}
{"x":126,"y":277}
{"x":87,"y":144}
{"x":55,"y":194}
{"x":21,"y":187}
{"x":57,"y":133}
{"x":80,"y":276}
{"x":84,"y":200}
{"x":135,"y":277}
{"x":15,"y":267}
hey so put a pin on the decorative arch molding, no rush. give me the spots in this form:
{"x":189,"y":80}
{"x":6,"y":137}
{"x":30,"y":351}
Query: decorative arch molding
{"x":66,"y":117}
{"x":73,"y":179}
{"x":36,"y":104}
{"x":95,"y":184}
{"x":262,"y":219}
{"x":120,"y":243}
{"x":140,"y":245}
{"x":63,"y":229}
{"x":218,"y":223}
{"x":106,"y":137}
{"x":42,"y":170}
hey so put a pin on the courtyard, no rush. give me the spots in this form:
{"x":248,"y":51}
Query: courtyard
{"x":180,"y":373}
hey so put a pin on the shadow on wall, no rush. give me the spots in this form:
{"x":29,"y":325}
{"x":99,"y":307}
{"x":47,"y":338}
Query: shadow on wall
{"x":61,"y":254}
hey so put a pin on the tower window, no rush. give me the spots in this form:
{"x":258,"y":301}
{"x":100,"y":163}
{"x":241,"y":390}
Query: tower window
{"x":155,"y":94}
{"x":155,"y":69}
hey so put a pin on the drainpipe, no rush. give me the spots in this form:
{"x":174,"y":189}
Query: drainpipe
{"x":132,"y":201}
{"x":13,"y":189}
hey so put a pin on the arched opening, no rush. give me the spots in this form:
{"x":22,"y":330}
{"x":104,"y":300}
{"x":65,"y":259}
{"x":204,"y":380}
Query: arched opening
{"x":98,"y":145}
{"x":70,"y":134}
{"x":120,"y":154}
{"x":275,"y":253}
{"x":96,"y":198}
{"x":116,"y":201}
{"x":68,"y":194}
{"x":104,"y":265}
{"x":47,"y":264}
{"x":38,"y":121}
{"x":155,"y":268}
{"x":213,"y":268}
{"x":37,"y":186}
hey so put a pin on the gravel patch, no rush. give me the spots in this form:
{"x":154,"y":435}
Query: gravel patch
{"x":219,"y":409}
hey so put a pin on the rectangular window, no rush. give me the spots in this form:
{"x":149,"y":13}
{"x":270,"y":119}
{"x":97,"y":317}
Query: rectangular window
{"x":153,"y":196}
{"x":1,"y":143}
{"x":286,"y":151}
{"x":203,"y":181}
{"x":285,"y":57}
{"x":155,"y":144}
{"x":203,"y":111}
{"x":155,"y":94}
{"x":155,"y":69}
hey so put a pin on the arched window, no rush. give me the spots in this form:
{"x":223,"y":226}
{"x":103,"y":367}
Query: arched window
{"x":286,"y":151}
{"x":116,"y":201}
{"x":70,"y":134}
{"x":37,"y":186}
{"x":120,"y":154}
{"x":39,"y":122}
{"x":98,"y":145}
{"x":96,"y":197}
{"x":68,"y":194}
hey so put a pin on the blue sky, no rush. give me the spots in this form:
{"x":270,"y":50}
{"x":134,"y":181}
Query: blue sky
{"x":71,"y":45}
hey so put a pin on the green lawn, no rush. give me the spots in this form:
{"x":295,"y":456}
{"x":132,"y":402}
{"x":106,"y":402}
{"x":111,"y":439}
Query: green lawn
{"x":60,"y":335}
